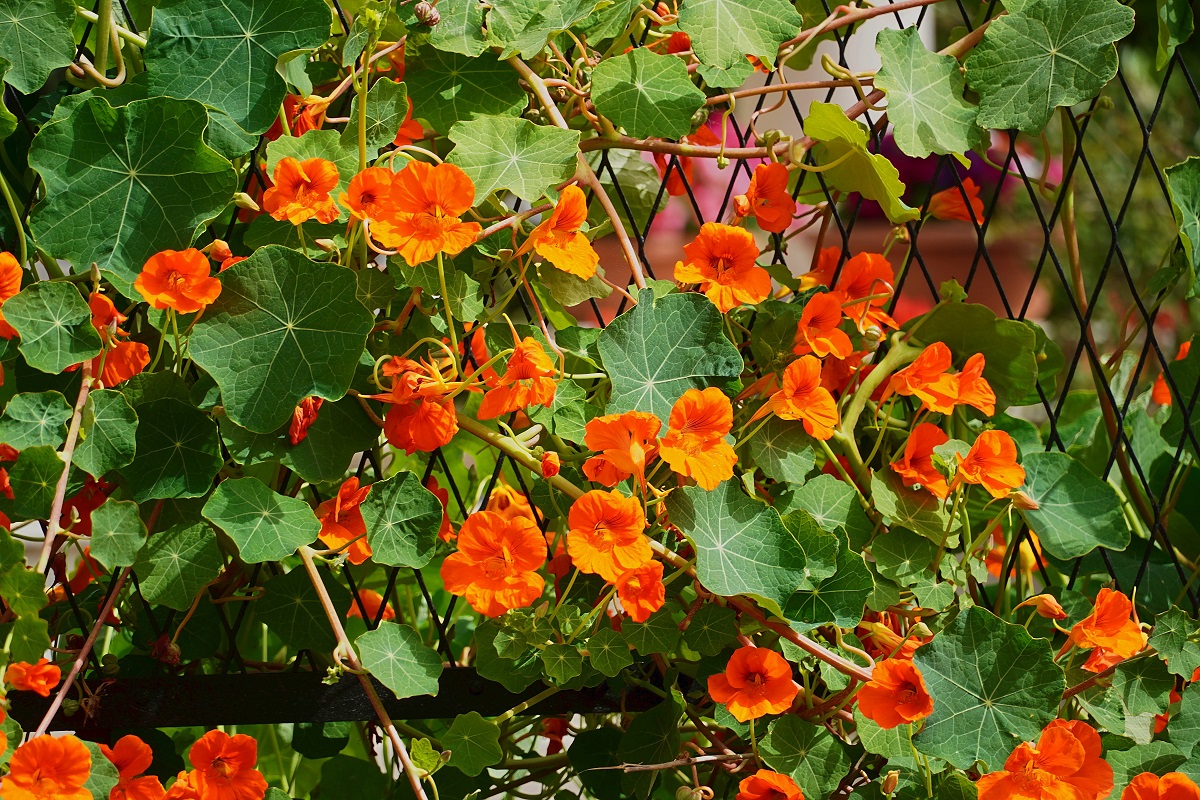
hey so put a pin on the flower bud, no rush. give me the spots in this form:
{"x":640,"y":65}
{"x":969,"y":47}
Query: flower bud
{"x":1024,"y":502}
{"x":551,"y":464}
{"x":889,"y":782}
{"x":243,"y":200}
{"x":920,"y":630}
{"x":688,"y":793}
{"x":70,"y":707}
{"x":219,"y":251}
{"x":426,"y":14}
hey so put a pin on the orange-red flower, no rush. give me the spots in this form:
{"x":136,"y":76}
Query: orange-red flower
{"x":303,"y":416}
{"x":722,"y":260}
{"x":681,"y":177}
{"x":1029,"y":555}
{"x":1111,"y":632}
{"x":882,"y":639}
{"x":756,"y":682}
{"x":421,"y":414}
{"x":641,"y":591}
{"x":372,"y":601}
{"x":1160,"y":393}
{"x":953,"y":203}
{"x":120,"y":360}
{"x":301,"y":191}
{"x":132,"y":757}
{"x":865,"y":286}
{"x":496,"y":565}
{"x":509,"y":502}
{"x":767,"y":199}
{"x":802,"y":397}
{"x":1045,"y":605}
{"x":446,"y":529}
{"x":41,"y":677}
{"x":625,"y":443}
{"x":342,"y":521}
{"x":992,"y":464}
{"x":695,"y":443}
{"x":410,"y":130}
{"x":10,"y":284}
{"x":367,"y":194}
{"x":558,"y":238}
{"x":528,"y":380}
{"x":1172,"y":786}
{"x":973,"y":389}
{"x":184,"y":787}
{"x":818,"y":331}
{"x":551,"y":464}
{"x":822,"y":273}
{"x":48,"y":768}
{"x":1065,"y":765}
{"x":179,"y":280}
{"x":916,"y":466}
{"x":767,"y":785}
{"x":928,"y":379}
{"x":225,"y":767}
{"x":607,"y":534}
{"x":895,"y":695}
{"x":427,"y":204}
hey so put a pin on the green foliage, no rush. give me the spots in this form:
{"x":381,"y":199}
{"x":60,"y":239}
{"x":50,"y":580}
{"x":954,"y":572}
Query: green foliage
{"x":117,"y":534}
{"x":812,"y":756}
{"x":396,"y":655}
{"x":177,"y":451}
{"x":402,"y":518}
{"x":35,"y":38}
{"x":513,"y":154}
{"x":175,"y":564}
{"x":646,"y":94}
{"x":35,"y":418}
{"x":1076,"y":511}
{"x":265,"y":525}
{"x":107,"y":433}
{"x":54,"y":324}
{"x":473,"y":742}
{"x":724,"y":32}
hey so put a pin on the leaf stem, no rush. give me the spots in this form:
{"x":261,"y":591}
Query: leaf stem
{"x":54,"y":524}
{"x":11,"y":202}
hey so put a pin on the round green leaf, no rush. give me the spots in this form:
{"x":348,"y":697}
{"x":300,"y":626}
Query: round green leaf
{"x":646,"y":94}
{"x":396,"y":655}
{"x":810,"y":754}
{"x":783,"y":451}
{"x":55,"y":325}
{"x":35,"y":35}
{"x":387,"y":106}
{"x":403,"y":519}
{"x":1174,"y":637}
{"x":447,"y":88}
{"x":35,"y":418}
{"x":23,"y":590}
{"x":292,"y":610}
{"x":176,"y":564}
{"x":724,"y":32}
{"x":513,"y":154}
{"x":1076,"y":511}
{"x":117,"y":534}
{"x":265,"y":525}
{"x":178,"y":452}
{"x":107,"y":434}
{"x":104,"y":775}
{"x":838,"y":599}
{"x":609,"y":652}
{"x":30,"y":639}
{"x":473,"y":742}
{"x":33,"y":479}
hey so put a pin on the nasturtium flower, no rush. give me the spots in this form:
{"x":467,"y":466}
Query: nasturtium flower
{"x":625,"y":444}
{"x":895,"y":695}
{"x":607,"y":535}
{"x":342,"y":521}
{"x":421,"y":414}
{"x":551,"y":464}
{"x":882,"y":639}
{"x":509,"y":502}
{"x":695,"y":443}
{"x":865,"y":287}
{"x":818,"y":331}
{"x":916,"y":465}
{"x":40,"y":678}
{"x":184,"y":788}
{"x":425,"y":211}
{"x":929,"y":379}
{"x":48,"y":768}
{"x":495,"y":567}
{"x":767,"y":198}
{"x":558,"y":238}
{"x":768,"y":785}
{"x":303,"y":416}
{"x":446,"y":529}
{"x":641,"y":590}
{"x":803,"y":398}
{"x":950,"y":204}
{"x":1172,"y":786}
{"x":10,"y":284}
{"x":756,"y":682}
{"x":371,"y":601}
{"x":301,"y":191}
{"x":367,"y":195}
{"x":1160,"y":393}
{"x":991,"y":463}
{"x":1045,"y":605}
{"x":179,"y":280}
{"x":1065,"y":765}
{"x":681,"y":176}
{"x":528,"y":380}
{"x":722,"y":260}
{"x":410,"y":130}
{"x":224,"y":767}
{"x":1111,"y":632}
{"x":822,"y":274}
{"x":973,"y":389}
{"x":132,"y":757}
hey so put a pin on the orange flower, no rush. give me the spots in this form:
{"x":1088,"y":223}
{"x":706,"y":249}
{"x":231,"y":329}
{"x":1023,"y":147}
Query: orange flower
{"x":865,"y":286}
{"x":1065,"y":765}
{"x":767,"y":785}
{"x":882,"y":641}
{"x":818,"y":331}
{"x":802,"y":397}
{"x":527,"y":380}
{"x":48,"y":768}
{"x":607,"y":534}
{"x":756,"y":682}
{"x":991,"y":463}
{"x":1030,"y":555}
{"x":952,"y":203}
{"x":767,"y":199}
{"x":973,"y":389}
{"x":301,"y":191}
{"x":558,"y":238}
{"x":641,"y":591}
{"x":895,"y":695}
{"x":626,"y":443}
{"x":695,"y":443}
{"x":822,"y":274}
{"x":446,"y":530}
{"x":421,"y":414}
{"x":1111,"y":632}
{"x":10,"y":284}
{"x":303,"y":416}
{"x":410,"y":130}
{"x":367,"y":195}
{"x":510,"y":503}
{"x":721,"y":259}
{"x":178,"y":279}
{"x":916,"y":467}
{"x":551,"y":464}
{"x":225,"y":767}
{"x":229,"y":262}
{"x":1172,"y":786}
{"x":1161,"y":393}
{"x":1045,"y":605}
{"x":41,"y":677}
{"x":681,"y":176}
{"x":427,"y":204}
{"x":120,"y":363}
{"x":342,"y":521}
{"x":184,"y":788}
{"x":131,"y":756}
{"x":928,"y":379}
{"x":496,"y":565}
{"x":372,"y":601}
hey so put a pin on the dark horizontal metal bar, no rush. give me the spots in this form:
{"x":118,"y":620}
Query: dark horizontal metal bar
{"x":209,"y":700}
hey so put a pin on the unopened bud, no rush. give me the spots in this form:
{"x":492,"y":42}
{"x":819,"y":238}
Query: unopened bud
{"x":426,"y":14}
{"x":920,"y":630}
{"x":70,"y":707}
{"x":890,"y":781}
{"x":1024,"y":502}
{"x":688,"y":793}
{"x":219,"y":251}
{"x":243,"y":200}
{"x":109,"y":666}
{"x":325,"y":244}
{"x":550,"y":465}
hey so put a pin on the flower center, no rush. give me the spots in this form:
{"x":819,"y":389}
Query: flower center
{"x":175,"y":280}
{"x":756,"y":682}
{"x":499,"y":565}
{"x":222,"y":767}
